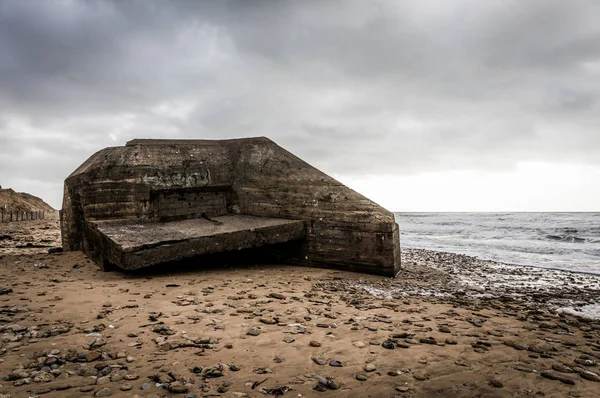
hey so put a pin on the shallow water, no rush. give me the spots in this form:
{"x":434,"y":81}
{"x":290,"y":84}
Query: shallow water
{"x":564,"y":241}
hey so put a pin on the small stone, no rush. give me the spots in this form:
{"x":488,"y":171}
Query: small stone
{"x":92,"y":356}
{"x":496,"y":383}
{"x":402,"y":388}
{"x":131,"y":376}
{"x":361,"y":377}
{"x":562,"y":368}
{"x":359,"y":344}
{"x":523,"y":369}
{"x":163,"y":330}
{"x":586,"y":374}
{"x":177,"y":388}
{"x":126,"y":387}
{"x":86,"y":388}
{"x":262,"y":371}
{"x":585,"y":362}
{"x":277,"y":296}
{"x":253,"y":332}
{"x":314,"y":343}
{"x":328,"y":383}
{"x":289,"y":340}
{"x":335,"y":364}
{"x":427,"y":340}
{"x":102,"y":380}
{"x":388,"y":344}
{"x":554,"y":376}
{"x":105,"y":392}
{"x":370,"y":367}
{"x":319,"y":361}
{"x":145,"y":386}
{"x":43,"y":377}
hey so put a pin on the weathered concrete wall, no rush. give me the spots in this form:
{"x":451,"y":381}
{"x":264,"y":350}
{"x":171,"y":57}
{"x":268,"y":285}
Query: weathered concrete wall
{"x":345,"y":229}
{"x":158,"y":180}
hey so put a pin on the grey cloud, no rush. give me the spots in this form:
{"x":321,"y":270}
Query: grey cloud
{"x":354,"y":87}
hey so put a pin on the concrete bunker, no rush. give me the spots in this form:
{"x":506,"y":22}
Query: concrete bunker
{"x":157,"y":201}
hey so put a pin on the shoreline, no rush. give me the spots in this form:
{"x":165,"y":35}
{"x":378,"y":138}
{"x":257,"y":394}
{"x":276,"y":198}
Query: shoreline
{"x":555,"y":289}
{"x":503,"y":262}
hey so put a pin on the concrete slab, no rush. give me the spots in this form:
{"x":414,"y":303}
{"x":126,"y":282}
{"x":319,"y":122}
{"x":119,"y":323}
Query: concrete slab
{"x":133,"y":244}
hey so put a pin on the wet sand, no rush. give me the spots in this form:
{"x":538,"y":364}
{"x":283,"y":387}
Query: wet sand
{"x":447,"y":326}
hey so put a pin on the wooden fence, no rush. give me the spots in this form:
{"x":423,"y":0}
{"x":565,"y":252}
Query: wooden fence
{"x":18,"y":215}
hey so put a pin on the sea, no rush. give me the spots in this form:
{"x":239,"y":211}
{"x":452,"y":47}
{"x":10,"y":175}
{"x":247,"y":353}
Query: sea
{"x":562,"y":241}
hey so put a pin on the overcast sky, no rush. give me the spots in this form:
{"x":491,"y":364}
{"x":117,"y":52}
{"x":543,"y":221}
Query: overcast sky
{"x":463,"y":105}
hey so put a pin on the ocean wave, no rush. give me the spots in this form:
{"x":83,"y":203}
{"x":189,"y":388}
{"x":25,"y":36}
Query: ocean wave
{"x":566,"y":238}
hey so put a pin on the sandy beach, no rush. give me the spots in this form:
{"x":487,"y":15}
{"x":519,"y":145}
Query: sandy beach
{"x":447,"y":326}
